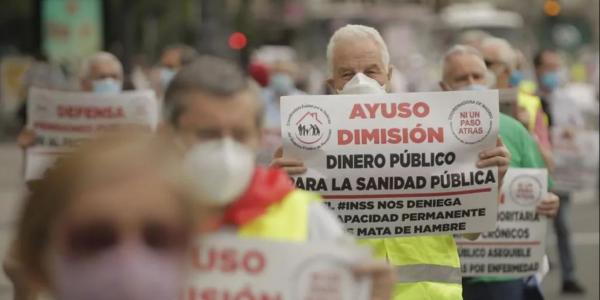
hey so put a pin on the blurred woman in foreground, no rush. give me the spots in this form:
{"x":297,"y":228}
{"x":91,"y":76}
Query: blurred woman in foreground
{"x":112,"y":221}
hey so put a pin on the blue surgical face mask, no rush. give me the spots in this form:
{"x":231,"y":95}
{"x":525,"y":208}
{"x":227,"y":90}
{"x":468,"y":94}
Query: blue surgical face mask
{"x":166,"y":75}
{"x":550,"y":80}
{"x":282,"y":83}
{"x":475,"y":87}
{"x":106,"y":86}
{"x":515,"y":78}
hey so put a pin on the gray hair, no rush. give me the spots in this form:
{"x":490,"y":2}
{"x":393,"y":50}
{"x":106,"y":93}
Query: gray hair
{"x":457,"y":50}
{"x":101,"y":57}
{"x":212,"y":75}
{"x":354,"y":32}
{"x":507,"y":53}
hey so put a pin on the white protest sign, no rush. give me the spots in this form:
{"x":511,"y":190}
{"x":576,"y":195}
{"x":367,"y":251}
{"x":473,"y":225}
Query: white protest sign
{"x":61,"y":120}
{"x":575,"y":154}
{"x":397,"y":164}
{"x":517,"y":246}
{"x":226,"y":267}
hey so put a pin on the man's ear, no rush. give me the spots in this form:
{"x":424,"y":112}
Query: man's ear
{"x":444,"y":86}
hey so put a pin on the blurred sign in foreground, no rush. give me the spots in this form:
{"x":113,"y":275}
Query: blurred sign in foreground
{"x":225,"y":267}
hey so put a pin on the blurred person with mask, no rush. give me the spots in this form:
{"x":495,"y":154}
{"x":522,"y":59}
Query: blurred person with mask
{"x":529,"y":109}
{"x":428,"y":267}
{"x":101,"y":73}
{"x":282,"y":82}
{"x":172,"y":59}
{"x":464,"y":69}
{"x":501,"y":59}
{"x":216,"y":117}
{"x":551,"y":76}
{"x":564,"y":114}
{"x":41,"y":73}
{"x":517,"y":76}
{"x":111,"y":221}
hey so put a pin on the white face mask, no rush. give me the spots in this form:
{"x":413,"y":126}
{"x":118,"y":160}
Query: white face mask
{"x":221,"y":169}
{"x":362,"y":84}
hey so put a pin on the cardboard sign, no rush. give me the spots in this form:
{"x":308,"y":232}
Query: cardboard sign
{"x":226,"y":267}
{"x":62,"y":120}
{"x":517,"y":246}
{"x":397,"y":164}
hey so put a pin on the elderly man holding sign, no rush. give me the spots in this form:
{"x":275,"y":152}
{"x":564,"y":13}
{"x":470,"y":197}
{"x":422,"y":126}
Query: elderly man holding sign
{"x":428,"y":265}
{"x":101,"y":73}
{"x":465,"y":69}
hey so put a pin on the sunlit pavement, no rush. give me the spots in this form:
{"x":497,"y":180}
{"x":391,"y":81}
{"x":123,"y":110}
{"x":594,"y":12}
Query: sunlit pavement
{"x":584,"y":226}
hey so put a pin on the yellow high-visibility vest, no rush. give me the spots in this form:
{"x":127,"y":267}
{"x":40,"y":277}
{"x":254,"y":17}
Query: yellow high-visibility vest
{"x":286,"y":220}
{"x":532,"y":105}
{"x":530,"y":102}
{"x":428,"y":267}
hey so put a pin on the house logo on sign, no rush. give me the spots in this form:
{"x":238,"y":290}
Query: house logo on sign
{"x":525,"y":190}
{"x":308,"y":127}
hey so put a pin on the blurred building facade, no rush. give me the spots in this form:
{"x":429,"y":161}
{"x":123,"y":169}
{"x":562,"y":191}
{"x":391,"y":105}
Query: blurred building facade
{"x":417,"y":31}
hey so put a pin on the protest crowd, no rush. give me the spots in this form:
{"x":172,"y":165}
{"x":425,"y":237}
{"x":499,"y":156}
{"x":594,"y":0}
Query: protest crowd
{"x":359,"y":171}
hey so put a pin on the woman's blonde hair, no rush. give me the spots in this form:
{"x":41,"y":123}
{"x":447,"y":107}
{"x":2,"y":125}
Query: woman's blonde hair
{"x":103,"y":159}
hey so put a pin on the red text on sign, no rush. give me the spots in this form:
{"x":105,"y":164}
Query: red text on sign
{"x":389,"y":110}
{"x":228,"y":260}
{"x":90,"y":112}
